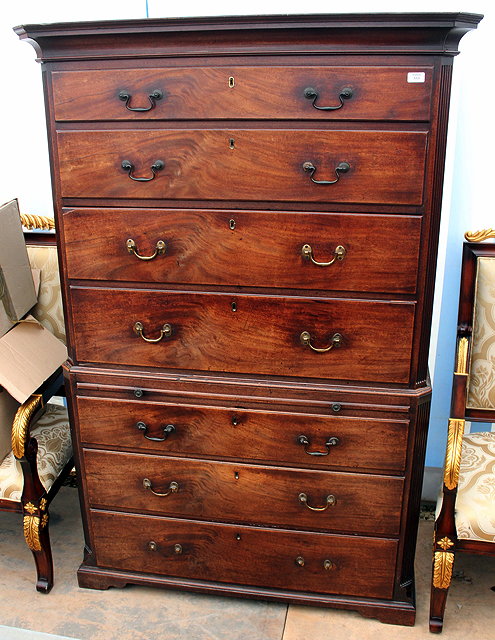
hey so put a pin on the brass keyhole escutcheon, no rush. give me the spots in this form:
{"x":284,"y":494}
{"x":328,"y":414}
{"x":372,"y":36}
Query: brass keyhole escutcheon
{"x":300,"y":561}
{"x":233,"y":306}
{"x":178,"y":548}
{"x":231,"y":82}
{"x":328,"y":565}
{"x":232,"y":224}
{"x":231,"y":143}
{"x":235,"y":421}
{"x":236,"y":475}
{"x":152,"y":546}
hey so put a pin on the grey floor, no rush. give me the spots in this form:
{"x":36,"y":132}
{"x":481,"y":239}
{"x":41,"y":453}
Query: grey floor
{"x":141,"y":613}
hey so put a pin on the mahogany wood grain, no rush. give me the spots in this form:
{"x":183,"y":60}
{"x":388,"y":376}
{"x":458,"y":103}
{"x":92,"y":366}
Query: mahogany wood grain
{"x":263,"y":249}
{"x":262,"y":334}
{"x":263,"y":92}
{"x":264,"y":435}
{"x":246,"y":555}
{"x":264,"y":164}
{"x":244,"y":493}
{"x":239,"y":298}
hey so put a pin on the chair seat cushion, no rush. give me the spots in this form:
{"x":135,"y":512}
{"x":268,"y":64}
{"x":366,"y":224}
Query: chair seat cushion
{"x":52,"y":433}
{"x":475,"y":503}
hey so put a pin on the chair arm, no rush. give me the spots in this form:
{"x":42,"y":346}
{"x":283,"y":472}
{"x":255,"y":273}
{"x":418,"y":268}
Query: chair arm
{"x":26,"y":412}
{"x":36,"y":222}
{"x":22,"y":423}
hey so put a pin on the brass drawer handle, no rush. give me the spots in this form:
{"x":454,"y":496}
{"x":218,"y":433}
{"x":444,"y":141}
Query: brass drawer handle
{"x":129,"y":167}
{"x":330,"y":502}
{"x":154,"y":95}
{"x":300,"y":561}
{"x":167,"y":430}
{"x":166,"y":331}
{"x":304,"y":441}
{"x":307,"y":253}
{"x":312,"y":94}
{"x":335,"y":341}
{"x":343,"y":167}
{"x":173,"y":487}
{"x":160,"y":248}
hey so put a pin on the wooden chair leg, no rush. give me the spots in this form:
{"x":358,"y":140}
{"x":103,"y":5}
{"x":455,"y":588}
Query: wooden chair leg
{"x":37,"y":538}
{"x":443,"y":562}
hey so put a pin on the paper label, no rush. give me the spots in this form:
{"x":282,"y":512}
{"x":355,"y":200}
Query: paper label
{"x":416,"y":76}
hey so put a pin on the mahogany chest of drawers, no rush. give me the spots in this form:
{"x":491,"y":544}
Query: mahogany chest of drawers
{"x":248,"y":212}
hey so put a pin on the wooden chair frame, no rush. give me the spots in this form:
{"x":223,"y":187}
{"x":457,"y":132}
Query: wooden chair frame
{"x":35,"y":500}
{"x":446,"y":543}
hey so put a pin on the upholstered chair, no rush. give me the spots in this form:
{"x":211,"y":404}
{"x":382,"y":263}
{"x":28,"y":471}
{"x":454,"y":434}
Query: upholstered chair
{"x":466,"y":509}
{"x":40,"y":457}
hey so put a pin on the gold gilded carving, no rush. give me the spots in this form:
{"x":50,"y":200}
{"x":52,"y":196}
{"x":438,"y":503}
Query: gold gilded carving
{"x":43,"y":503}
{"x":30,"y":508}
{"x":44,"y":520}
{"x":442,"y":569}
{"x":32,"y":532}
{"x":462,"y":356}
{"x":479,"y":236}
{"x":445,"y":543}
{"x":453,"y":455}
{"x":21,"y":422}
{"x":37,"y":222}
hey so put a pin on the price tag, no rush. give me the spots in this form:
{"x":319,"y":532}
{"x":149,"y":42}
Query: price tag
{"x":416,"y":76}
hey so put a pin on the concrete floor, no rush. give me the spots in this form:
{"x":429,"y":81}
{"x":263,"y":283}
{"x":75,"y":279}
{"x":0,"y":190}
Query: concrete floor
{"x":142,"y":613}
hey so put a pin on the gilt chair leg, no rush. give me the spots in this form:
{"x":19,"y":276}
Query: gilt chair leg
{"x":37,"y":539}
{"x":443,"y":562}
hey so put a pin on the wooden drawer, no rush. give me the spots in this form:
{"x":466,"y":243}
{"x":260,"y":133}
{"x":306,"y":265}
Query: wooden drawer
{"x":249,"y":494}
{"x":263,"y":249}
{"x":245,"y":164}
{"x":226,"y":433}
{"x":244,"y":333}
{"x":378,"y":93}
{"x":245,"y":555}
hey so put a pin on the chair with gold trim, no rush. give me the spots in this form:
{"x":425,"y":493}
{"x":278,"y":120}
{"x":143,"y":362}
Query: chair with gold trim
{"x":466,"y":510}
{"x":41,"y":451}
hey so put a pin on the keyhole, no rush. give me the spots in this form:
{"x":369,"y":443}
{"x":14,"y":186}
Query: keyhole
{"x":232,"y":223}
{"x":231,"y":82}
{"x":235,"y":421}
{"x":237,"y":536}
{"x":234,"y":306}
{"x":231,"y":143}
{"x":236,"y":475}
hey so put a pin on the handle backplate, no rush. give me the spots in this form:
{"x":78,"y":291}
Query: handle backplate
{"x":330,"y":501}
{"x":125,"y":96}
{"x":342,"y":167}
{"x":338,"y":254}
{"x":335,"y":341}
{"x":312,"y":94}
{"x":160,"y":249}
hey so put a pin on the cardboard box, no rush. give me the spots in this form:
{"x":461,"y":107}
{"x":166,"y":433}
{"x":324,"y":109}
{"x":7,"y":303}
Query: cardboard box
{"x":29,"y":354}
{"x":17,"y":292}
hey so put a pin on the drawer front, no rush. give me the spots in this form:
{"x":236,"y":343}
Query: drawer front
{"x":245,"y":555}
{"x":247,"y":165}
{"x":244,"y":333}
{"x":378,"y":93}
{"x":250,"y":494}
{"x":304,"y":440}
{"x":261,"y":248}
